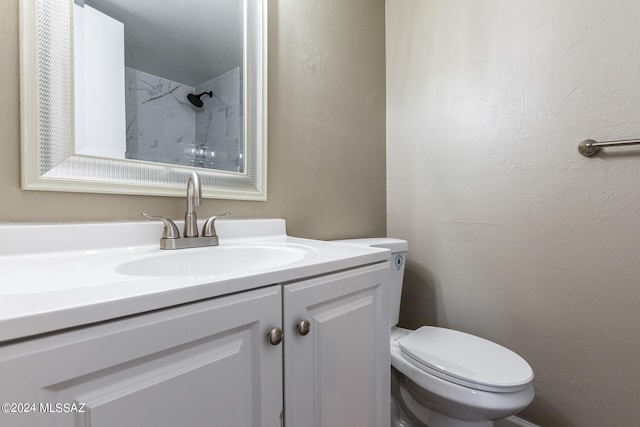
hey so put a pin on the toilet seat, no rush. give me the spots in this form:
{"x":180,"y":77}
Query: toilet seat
{"x":465,"y":360}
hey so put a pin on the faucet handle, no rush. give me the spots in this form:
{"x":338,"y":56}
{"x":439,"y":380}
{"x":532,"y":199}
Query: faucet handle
{"x":170,"y":228}
{"x":209,"y":229}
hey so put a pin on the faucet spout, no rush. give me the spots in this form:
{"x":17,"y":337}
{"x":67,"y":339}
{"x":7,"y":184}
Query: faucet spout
{"x":194,"y":194}
{"x":171,"y":236}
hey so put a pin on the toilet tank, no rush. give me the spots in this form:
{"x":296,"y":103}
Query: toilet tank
{"x":399,"y":249}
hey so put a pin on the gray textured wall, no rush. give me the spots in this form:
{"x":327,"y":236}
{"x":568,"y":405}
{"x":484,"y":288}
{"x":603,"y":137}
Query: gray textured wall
{"x":514,"y":235}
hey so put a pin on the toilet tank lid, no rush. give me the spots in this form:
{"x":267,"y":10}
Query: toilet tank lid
{"x":395,"y":245}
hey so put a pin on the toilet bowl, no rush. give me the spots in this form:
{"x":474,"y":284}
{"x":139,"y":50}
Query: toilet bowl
{"x":447,"y":378}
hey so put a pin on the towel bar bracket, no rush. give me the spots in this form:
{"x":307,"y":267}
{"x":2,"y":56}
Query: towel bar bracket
{"x":590,"y":148}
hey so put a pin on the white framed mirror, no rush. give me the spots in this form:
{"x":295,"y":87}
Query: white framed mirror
{"x":194,"y":99}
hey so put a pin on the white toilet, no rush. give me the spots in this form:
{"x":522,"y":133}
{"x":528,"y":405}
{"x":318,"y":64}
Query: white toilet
{"x":446,"y":378}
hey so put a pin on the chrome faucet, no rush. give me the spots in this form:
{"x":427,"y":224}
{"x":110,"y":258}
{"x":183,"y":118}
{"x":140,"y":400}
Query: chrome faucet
{"x":194,"y":194}
{"x":171,"y":236}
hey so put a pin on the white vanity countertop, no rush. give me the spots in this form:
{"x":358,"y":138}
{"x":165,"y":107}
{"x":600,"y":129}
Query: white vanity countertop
{"x":57,"y":276}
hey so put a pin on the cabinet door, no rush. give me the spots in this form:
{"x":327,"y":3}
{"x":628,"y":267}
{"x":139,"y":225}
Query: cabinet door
{"x":338,"y":374}
{"x":202,"y":364}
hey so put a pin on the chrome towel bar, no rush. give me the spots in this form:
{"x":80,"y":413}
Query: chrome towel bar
{"x":589,"y":147}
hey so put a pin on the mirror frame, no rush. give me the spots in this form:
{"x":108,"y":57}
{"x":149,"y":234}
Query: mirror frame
{"x":47,"y":124}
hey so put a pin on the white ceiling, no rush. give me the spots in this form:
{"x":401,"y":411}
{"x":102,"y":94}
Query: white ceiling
{"x":188,"y":41}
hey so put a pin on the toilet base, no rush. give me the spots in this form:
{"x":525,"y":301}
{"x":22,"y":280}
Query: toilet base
{"x":400,"y":415}
{"x":407,"y":412}
{"x":435,"y":419}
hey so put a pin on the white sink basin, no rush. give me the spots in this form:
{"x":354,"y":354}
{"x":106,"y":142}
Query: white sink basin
{"x":58,"y":276}
{"x":215,"y":261}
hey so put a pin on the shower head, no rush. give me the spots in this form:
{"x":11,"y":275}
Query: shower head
{"x":195,"y":99}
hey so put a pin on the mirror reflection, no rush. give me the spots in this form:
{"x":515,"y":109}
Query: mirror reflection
{"x":160,"y":81}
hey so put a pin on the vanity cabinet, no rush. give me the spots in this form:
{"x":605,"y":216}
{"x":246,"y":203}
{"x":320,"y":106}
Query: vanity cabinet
{"x":337,"y":371}
{"x":213,"y":363}
{"x":201,"y":364}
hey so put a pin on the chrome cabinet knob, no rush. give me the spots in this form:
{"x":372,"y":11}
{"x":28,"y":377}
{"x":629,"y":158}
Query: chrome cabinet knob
{"x":275,"y":336}
{"x":304,"y":327}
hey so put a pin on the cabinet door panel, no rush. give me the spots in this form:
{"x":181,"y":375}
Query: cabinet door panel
{"x":338,"y":374}
{"x":203,"y":364}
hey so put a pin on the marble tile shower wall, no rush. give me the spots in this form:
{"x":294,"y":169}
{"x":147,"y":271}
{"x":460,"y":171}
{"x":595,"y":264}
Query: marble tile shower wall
{"x":160,"y":120}
{"x":162,"y":126}
{"x":219,"y":130}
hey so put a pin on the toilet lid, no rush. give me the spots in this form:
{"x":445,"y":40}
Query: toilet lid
{"x":465,"y":359}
